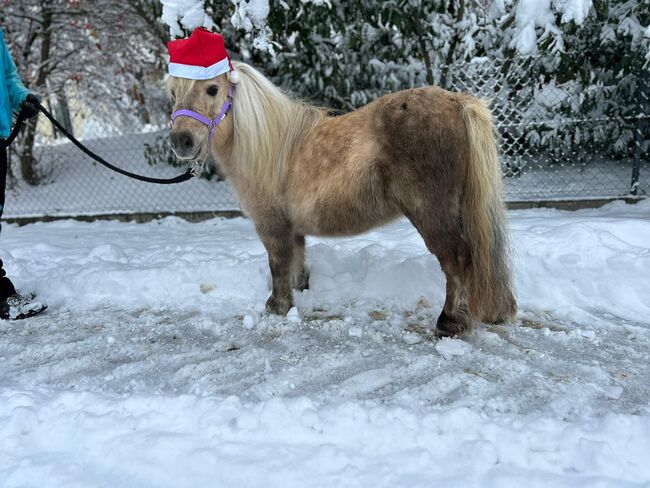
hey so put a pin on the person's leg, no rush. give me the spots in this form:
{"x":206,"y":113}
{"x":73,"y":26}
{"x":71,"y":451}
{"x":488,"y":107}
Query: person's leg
{"x":3,"y":175}
{"x":6,"y":286}
{"x":12,"y":304}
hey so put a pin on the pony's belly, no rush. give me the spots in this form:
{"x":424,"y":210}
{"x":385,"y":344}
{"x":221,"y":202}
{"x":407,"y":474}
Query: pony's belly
{"x":341,"y":219}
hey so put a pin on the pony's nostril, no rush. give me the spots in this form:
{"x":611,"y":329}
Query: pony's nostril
{"x":182,"y":141}
{"x":186,"y":141}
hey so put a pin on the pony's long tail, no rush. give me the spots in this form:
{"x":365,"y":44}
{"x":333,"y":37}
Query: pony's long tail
{"x":484,"y":220}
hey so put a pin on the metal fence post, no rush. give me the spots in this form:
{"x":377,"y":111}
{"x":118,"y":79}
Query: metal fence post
{"x":640,"y":125}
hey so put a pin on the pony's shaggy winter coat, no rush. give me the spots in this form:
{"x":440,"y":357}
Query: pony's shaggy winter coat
{"x":425,"y":153}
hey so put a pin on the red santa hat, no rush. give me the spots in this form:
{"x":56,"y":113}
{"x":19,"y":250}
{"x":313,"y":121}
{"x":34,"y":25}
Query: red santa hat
{"x":201,"y":56}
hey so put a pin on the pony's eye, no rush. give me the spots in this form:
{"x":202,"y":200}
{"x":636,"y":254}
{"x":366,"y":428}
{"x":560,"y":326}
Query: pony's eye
{"x":212,"y":90}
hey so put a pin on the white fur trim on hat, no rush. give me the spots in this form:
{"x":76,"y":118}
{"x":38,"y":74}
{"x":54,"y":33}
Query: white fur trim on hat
{"x":199,"y":72}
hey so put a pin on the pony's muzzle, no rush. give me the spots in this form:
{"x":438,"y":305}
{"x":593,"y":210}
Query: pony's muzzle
{"x":183,"y":144}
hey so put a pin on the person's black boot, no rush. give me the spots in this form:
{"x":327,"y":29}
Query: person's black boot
{"x":19,"y":306}
{"x":13,"y":305}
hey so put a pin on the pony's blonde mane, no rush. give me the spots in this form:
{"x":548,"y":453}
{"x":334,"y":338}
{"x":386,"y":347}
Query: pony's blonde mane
{"x":268,"y":125}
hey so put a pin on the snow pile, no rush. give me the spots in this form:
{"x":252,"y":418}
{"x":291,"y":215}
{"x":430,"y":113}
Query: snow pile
{"x":570,"y":263}
{"x":585,"y":261}
{"x":200,"y":441}
{"x":157,"y":366}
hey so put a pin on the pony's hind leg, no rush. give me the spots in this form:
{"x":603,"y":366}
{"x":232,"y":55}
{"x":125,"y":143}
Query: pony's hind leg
{"x":444,"y":240}
{"x":278,"y":239}
{"x":299,"y":269}
{"x":455,"y":318}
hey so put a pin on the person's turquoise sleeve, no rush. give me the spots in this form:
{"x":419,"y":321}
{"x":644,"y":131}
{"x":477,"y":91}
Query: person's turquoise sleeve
{"x":15,"y":88}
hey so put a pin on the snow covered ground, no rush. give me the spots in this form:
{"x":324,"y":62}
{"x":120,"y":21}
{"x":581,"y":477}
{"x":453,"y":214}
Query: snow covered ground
{"x":156,"y":366}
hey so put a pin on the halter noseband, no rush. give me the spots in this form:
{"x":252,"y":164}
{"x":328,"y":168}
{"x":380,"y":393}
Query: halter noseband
{"x":210,"y":123}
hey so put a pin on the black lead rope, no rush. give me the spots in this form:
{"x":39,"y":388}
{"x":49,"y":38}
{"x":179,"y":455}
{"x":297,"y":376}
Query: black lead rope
{"x":161,"y":181}
{"x":19,"y":123}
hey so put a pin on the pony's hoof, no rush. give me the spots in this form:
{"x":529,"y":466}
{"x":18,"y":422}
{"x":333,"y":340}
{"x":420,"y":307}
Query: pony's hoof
{"x":278,"y":306}
{"x":507,"y":314}
{"x":452,"y":326}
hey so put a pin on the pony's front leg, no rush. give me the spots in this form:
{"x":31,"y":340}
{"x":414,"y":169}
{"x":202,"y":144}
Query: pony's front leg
{"x":279,"y":243}
{"x":300,"y":271}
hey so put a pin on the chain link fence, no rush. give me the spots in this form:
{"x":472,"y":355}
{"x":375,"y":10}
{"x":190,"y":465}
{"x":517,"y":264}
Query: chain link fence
{"x":558,"y":142}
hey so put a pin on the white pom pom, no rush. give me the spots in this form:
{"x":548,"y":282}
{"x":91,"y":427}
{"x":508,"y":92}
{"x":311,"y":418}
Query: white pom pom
{"x":234,"y":77}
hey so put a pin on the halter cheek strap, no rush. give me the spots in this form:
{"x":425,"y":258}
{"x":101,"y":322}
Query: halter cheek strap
{"x":210,"y":123}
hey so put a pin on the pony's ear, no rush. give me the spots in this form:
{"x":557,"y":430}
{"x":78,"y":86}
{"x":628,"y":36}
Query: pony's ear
{"x":233,"y":77}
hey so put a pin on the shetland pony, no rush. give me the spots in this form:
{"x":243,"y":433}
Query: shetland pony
{"x":425,"y":153}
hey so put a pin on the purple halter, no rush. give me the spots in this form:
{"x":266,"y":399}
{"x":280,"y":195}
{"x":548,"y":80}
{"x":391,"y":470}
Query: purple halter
{"x":211,"y":123}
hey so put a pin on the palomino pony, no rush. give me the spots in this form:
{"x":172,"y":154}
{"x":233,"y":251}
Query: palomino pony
{"x":425,"y":153}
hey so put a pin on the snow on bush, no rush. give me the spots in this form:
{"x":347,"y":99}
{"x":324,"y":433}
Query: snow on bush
{"x":575,"y":10}
{"x":248,"y":16}
{"x":188,"y":14}
{"x":530,"y":15}
{"x":251,"y":15}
